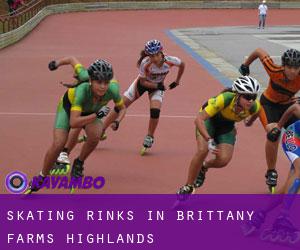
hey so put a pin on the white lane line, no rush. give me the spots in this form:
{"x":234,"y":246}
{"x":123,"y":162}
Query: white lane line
{"x":129,"y":115}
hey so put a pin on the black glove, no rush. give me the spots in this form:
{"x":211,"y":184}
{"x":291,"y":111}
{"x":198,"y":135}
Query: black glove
{"x":173,"y":85}
{"x":244,"y":70}
{"x":52,"y":65}
{"x":161,"y":86}
{"x":274,"y":134}
{"x":102,"y":112}
{"x":116,"y":125}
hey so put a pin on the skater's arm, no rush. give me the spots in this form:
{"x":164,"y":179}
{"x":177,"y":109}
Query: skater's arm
{"x":249,"y":121}
{"x":292,"y":110}
{"x":122,"y":111}
{"x":181,"y":68}
{"x":274,"y":134}
{"x":147,"y":84}
{"x":254,"y":113}
{"x":78,"y":121}
{"x":121,"y":114}
{"x":115,"y":118}
{"x":199,"y":122}
{"x":258,"y":53}
{"x":71,"y":60}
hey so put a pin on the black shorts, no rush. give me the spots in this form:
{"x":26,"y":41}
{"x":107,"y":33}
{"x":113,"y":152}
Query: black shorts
{"x":272,"y":112}
{"x":141,"y":89}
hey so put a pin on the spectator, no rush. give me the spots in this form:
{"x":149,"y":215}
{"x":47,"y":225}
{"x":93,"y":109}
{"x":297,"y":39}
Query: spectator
{"x":13,"y":5}
{"x":10,"y":6}
{"x":262,"y":8}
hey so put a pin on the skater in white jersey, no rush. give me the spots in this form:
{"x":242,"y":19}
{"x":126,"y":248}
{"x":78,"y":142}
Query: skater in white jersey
{"x":153,"y":66}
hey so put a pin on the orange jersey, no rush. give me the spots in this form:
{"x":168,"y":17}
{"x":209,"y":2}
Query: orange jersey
{"x":280,"y":89}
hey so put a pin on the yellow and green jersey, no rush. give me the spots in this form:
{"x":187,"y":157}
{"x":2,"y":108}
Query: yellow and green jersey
{"x":80,"y":98}
{"x":222,"y":107}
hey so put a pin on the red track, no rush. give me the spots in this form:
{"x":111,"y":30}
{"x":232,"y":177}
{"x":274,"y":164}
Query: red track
{"x":28,"y":87}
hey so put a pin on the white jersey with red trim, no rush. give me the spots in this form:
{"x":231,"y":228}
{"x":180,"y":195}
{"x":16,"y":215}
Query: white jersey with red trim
{"x":155,"y":74}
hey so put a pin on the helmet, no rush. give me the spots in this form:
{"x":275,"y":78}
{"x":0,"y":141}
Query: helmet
{"x":101,"y":70}
{"x":291,"y":58}
{"x":246,"y":85}
{"x":152,"y":47}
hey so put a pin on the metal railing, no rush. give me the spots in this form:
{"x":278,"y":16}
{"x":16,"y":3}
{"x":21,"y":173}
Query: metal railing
{"x":16,"y":19}
{"x":22,"y":15}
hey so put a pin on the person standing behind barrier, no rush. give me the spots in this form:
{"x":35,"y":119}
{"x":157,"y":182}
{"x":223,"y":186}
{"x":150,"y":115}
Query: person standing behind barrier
{"x":262,"y":8}
{"x":13,"y":5}
{"x":10,"y":6}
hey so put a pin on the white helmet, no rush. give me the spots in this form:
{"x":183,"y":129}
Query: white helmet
{"x":246,"y":85}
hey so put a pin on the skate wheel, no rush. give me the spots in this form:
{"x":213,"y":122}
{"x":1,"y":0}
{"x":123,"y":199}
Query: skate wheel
{"x":81,"y":139}
{"x":272,"y":190}
{"x":143,"y":151}
{"x":275,"y":237}
{"x":28,"y":191}
{"x":294,"y":238}
{"x":66,"y":170}
{"x":72,"y":190}
{"x":60,"y":169}
{"x":103,"y":137}
{"x":248,"y":229}
{"x":284,"y":239}
{"x":176,"y":205}
{"x":266,"y":235}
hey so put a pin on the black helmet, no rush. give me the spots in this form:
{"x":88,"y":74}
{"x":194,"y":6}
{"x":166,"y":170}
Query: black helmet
{"x":291,"y":58}
{"x":101,"y":70}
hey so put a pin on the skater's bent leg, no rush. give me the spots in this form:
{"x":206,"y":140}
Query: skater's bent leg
{"x":198,"y":159}
{"x":93,"y":132}
{"x":155,"y":107}
{"x":72,"y":139}
{"x":222,"y":158}
{"x":59,"y":140}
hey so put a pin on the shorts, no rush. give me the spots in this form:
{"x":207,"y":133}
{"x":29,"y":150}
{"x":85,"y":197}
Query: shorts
{"x":272,"y":112}
{"x":136,"y":90}
{"x":222,"y":133}
{"x":291,"y":145}
{"x":62,"y":119}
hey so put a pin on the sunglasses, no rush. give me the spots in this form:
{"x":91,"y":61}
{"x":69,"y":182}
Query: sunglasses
{"x":249,"y":97}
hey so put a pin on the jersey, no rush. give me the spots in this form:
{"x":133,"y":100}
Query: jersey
{"x":291,"y":141}
{"x":156,"y":74}
{"x":279,"y":89}
{"x":222,"y":107}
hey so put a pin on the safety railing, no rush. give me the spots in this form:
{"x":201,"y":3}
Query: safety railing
{"x":24,"y":13}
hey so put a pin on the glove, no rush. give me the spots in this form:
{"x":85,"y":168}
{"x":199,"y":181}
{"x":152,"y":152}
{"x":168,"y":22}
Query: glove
{"x":102,"y":112}
{"x":173,"y":85}
{"x":52,"y":65}
{"x":211,"y":145}
{"x":274,"y":134}
{"x":161,"y":86}
{"x":115,"y":125}
{"x":244,"y":70}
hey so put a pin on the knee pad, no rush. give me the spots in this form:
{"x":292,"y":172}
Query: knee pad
{"x":154,"y":113}
{"x":295,"y":186}
{"x":116,"y":109}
